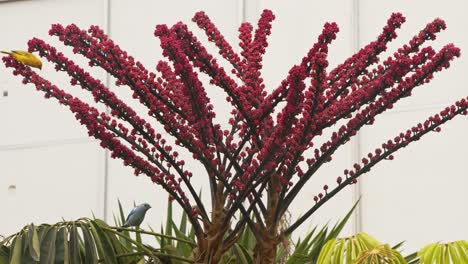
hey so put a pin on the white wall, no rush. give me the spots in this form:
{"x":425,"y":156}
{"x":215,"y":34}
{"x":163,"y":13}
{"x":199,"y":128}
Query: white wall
{"x":49,"y":168}
{"x":420,"y":196}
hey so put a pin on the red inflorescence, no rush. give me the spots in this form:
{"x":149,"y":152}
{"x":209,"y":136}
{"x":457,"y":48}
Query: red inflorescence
{"x":262,"y":146}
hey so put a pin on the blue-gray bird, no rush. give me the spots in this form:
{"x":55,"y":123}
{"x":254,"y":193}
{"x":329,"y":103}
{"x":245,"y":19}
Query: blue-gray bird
{"x":136,"y":216}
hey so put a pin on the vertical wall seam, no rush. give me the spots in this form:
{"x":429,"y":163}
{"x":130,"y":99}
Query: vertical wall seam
{"x":356,"y":142}
{"x":244,"y":11}
{"x":107,"y":16}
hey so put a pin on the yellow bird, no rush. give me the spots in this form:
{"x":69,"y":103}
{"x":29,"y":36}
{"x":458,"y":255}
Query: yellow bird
{"x":25,"y":58}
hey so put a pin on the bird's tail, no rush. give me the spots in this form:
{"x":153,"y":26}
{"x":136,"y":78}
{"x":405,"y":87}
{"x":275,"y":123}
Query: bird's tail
{"x":5,"y":52}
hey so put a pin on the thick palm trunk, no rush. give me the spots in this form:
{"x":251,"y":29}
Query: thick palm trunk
{"x":265,"y":249}
{"x":267,"y":237}
{"x":210,"y":248}
{"x":211,"y":242}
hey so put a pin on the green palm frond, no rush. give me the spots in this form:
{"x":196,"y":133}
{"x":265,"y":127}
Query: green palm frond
{"x":358,"y":249}
{"x":450,"y":253}
{"x":308,"y":249}
{"x":83,"y":241}
{"x":380,"y":254}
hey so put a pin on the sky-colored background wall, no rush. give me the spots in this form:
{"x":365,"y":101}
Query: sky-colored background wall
{"x":50,"y":169}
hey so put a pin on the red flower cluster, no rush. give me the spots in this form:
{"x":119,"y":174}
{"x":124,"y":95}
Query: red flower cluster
{"x":264,"y":149}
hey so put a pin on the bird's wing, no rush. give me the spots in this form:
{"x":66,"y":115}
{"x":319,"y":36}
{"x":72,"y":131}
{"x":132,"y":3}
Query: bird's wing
{"x":5,"y":52}
{"x":130,"y":214}
{"x":20,"y":52}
